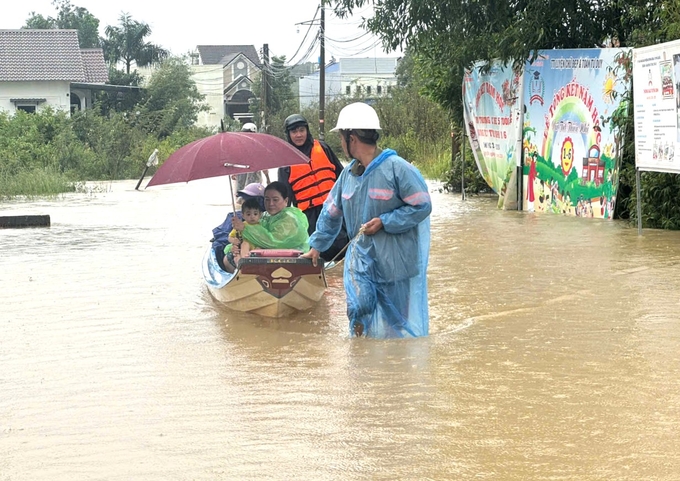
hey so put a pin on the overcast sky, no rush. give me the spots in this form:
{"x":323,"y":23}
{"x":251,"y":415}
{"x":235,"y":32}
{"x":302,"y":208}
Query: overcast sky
{"x":180,"y":26}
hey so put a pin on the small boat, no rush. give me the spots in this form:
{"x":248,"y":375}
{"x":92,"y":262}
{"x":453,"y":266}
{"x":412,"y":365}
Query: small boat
{"x":270,"y":283}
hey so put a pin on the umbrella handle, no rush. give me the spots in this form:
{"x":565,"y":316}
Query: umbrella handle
{"x":231,"y":192}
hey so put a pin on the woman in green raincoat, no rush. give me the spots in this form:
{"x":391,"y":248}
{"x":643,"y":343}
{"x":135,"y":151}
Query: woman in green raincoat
{"x":281,"y":227}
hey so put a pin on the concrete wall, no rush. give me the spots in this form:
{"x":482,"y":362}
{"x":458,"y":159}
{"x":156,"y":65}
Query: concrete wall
{"x":55,"y":93}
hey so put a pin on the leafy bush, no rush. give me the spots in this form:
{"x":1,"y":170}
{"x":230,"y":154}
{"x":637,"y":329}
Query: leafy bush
{"x":474,"y":182}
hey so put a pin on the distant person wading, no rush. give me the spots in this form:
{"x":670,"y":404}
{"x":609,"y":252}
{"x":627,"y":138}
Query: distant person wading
{"x":242,"y":180}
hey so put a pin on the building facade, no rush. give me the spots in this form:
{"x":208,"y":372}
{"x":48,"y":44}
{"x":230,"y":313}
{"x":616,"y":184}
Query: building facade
{"x":361,"y":77}
{"x":225,"y":75}
{"x":47,"y":68}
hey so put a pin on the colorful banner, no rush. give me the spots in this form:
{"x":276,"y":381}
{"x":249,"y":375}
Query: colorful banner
{"x":492,"y":102}
{"x":656,"y":93}
{"x":570,"y":147}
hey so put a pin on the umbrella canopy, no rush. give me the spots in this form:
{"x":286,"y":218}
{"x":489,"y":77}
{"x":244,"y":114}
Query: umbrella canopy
{"x":226,"y":153}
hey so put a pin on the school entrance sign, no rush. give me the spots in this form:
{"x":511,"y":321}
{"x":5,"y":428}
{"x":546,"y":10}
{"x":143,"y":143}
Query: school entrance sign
{"x":568,"y":147}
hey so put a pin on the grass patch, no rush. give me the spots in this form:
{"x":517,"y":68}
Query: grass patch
{"x":436,"y":166}
{"x":34,"y":183}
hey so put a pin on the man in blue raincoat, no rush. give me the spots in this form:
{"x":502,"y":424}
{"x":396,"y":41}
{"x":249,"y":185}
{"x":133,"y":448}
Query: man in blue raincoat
{"x":386,"y":206}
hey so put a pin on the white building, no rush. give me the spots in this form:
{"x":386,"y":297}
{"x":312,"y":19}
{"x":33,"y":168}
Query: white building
{"x":365,"y":77}
{"x":40,"y":68}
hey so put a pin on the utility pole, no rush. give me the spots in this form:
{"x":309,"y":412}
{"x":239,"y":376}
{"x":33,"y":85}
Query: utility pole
{"x":322,"y":73}
{"x":265,"y":87}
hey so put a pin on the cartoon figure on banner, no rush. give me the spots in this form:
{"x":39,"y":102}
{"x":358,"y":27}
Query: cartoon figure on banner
{"x":554,"y":196}
{"x":567,"y":156}
{"x":531,"y":178}
{"x":593,"y":167}
{"x":537,"y":88}
{"x":609,"y":88}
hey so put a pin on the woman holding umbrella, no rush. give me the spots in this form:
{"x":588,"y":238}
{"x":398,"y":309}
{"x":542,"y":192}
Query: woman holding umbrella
{"x":281,"y":226}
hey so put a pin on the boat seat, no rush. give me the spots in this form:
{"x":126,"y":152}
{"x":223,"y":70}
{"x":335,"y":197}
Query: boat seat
{"x":275,"y":253}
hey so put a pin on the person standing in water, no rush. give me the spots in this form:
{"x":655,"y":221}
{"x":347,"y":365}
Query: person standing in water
{"x":385,"y":204}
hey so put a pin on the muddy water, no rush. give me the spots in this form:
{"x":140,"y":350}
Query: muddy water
{"x":554,"y":354}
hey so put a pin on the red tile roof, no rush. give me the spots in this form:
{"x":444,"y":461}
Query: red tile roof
{"x":95,"y":67}
{"x":27,"y":55}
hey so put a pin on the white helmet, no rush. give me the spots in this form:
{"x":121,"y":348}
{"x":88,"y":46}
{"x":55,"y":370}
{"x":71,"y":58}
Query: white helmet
{"x":249,"y":127}
{"x":357,"y":116}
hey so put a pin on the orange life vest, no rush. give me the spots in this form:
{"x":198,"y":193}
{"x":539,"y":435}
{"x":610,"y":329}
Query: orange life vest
{"x":312,"y":182}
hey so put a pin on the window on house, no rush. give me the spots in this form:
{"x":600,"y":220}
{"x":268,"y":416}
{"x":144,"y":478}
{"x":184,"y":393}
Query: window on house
{"x":348,"y":90}
{"x":379,"y":89}
{"x":368,"y":90}
{"x":29,"y":105}
{"x":358,"y":89}
{"x":240,"y":69}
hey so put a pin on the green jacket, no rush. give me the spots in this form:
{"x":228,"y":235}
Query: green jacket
{"x":285,"y":230}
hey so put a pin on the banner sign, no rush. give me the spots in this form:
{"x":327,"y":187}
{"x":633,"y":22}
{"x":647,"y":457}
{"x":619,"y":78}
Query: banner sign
{"x":492,"y":102}
{"x":656,"y":93}
{"x":570,"y":147}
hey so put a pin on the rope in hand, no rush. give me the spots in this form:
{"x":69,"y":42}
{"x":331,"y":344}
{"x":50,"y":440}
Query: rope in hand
{"x":354,"y":239}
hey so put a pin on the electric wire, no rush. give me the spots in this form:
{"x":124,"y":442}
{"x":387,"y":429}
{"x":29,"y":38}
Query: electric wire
{"x":311,"y":23}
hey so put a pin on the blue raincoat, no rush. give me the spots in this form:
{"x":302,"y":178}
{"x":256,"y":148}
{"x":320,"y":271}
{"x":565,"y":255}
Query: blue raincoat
{"x":385,"y":274}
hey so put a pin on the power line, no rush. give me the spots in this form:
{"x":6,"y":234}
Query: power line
{"x":311,"y":23}
{"x":347,"y":40}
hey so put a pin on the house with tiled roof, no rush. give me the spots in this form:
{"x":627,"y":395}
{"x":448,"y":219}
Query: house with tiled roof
{"x":225,"y":75}
{"x":40,"y":68}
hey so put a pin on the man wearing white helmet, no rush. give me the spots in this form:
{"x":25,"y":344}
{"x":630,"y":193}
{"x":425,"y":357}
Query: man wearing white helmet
{"x":385,"y":204}
{"x":251,"y":177}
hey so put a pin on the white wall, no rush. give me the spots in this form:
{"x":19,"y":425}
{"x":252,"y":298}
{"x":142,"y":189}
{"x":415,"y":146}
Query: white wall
{"x":209,"y":82}
{"x":56,"y":94}
{"x":354,"y":73}
{"x":309,"y":88}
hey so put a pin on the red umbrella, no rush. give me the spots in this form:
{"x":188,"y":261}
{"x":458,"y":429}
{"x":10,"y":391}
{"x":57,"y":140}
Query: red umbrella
{"x":226,"y":153}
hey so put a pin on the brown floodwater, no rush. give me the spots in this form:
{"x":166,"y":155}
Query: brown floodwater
{"x":554,"y":353}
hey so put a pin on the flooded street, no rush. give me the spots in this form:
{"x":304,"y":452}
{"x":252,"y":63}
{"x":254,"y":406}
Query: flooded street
{"x":554,"y":354}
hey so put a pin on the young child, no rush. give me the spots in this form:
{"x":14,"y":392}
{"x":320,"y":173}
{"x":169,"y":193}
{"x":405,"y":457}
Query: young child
{"x":252,"y":212}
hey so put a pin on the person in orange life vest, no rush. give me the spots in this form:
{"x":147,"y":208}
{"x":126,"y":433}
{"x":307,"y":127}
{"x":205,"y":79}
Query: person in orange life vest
{"x":311,"y":183}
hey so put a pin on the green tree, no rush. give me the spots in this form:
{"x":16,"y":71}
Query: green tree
{"x":171,"y":100}
{"x":126,"y":43}
{"x":120,"y":101}
{"x":448,"y":36}
{"x":69,"y":17}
